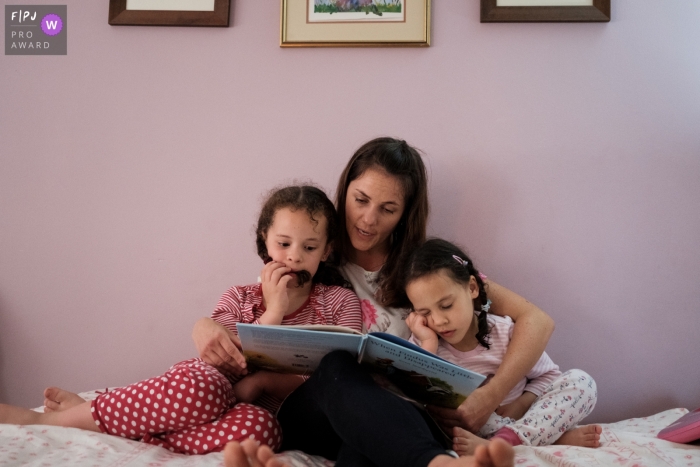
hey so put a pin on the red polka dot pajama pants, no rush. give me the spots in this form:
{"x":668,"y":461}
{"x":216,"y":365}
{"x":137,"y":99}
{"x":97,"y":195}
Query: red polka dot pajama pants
{"x":191,"y":409}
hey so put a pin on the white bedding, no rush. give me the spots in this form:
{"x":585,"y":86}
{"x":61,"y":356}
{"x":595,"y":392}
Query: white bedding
{"x":631,"y":443}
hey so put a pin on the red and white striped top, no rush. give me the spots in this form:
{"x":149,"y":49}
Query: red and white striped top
{"x":330,"y":305}
{"x":486,"y":361}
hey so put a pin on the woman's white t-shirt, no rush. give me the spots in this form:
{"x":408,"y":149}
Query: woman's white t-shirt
{"x":375,"y":317}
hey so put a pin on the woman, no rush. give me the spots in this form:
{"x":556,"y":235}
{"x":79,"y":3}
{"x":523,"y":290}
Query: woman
{"x":382,"y":203}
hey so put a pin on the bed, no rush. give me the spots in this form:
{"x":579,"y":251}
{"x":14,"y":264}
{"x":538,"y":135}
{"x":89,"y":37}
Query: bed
{"x":630,"y":443}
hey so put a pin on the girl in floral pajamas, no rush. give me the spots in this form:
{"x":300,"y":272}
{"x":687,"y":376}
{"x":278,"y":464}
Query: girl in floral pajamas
{"x":193,"y":408}
{"x":450,"y":318}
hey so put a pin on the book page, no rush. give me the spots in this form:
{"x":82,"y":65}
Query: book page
{"x":287,"y":349}
{"x":421,"y":376}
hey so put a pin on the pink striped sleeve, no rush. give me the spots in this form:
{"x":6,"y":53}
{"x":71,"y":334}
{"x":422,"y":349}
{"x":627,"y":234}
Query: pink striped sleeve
{"x":542,"y":375}
{"x":230,"y":309}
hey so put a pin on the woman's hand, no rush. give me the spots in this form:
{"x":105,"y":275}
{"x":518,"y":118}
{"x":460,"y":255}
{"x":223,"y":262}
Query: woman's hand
{"x":219,"y":347}
{"x":471,"y":415}
{"x":418,"y":325}
{"x":275,"y":277}
{"x":516,"y":409}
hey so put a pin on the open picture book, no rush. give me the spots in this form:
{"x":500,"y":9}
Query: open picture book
{"x":396,"y":364}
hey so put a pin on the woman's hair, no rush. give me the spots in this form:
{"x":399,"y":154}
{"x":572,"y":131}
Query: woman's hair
{"x":315,"y":202}
{"x":398,"y":159}
{"x":440,"y":255}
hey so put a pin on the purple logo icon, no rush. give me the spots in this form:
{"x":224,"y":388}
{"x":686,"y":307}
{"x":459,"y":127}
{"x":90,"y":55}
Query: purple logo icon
{"x":51,"y":24}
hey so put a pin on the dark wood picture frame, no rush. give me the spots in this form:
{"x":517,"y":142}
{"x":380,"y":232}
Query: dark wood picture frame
{"x":120,"y":16}
{"x":598,"y":12}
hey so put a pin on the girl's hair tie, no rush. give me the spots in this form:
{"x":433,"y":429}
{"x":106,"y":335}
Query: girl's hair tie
{"x":487,"y":306}
{"x":460,"y":261}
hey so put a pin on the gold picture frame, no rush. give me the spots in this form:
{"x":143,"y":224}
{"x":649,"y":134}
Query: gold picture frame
{"x":303,"y":26}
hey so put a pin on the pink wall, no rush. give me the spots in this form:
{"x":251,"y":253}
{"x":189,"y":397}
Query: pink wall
{"x":565,"y":157}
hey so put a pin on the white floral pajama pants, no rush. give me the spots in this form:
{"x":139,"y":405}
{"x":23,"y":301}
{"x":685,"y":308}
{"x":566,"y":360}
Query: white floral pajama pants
{"x":565,"y":403}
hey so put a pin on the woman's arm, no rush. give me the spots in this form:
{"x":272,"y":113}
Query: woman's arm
{"x":218,"y":346}
{"x":533,"y":328}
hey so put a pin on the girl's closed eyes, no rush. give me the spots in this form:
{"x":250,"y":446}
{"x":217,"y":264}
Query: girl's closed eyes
{"x":451,"y":319}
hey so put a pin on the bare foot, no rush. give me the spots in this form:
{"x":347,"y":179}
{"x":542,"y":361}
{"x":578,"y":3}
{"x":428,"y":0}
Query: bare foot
{"x":587,"y":436}
{"x":249,"y":454}
{"x":19,"y":416}
{"x":464,"y":443}
{"x":496,"y":453}
{"x":57,"y":399}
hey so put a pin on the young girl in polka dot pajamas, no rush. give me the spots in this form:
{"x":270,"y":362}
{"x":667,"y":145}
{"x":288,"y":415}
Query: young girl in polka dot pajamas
{"x":194,"y":408}
{"x":445,"y":289}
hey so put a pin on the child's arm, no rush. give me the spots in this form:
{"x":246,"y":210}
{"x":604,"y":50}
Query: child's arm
{"x":277,"y":385}
{"x":518,"y":407}
{"x":542,"y":375}
{"x":533,"y":328}
{"x":345,"y":308}
{"x":425,"y":337}
{"x":539,"y":378}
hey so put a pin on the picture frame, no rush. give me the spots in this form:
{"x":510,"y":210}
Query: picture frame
{"x":214,"y":13}
{"x":529,"y":11}
{"x":324,"y":23}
